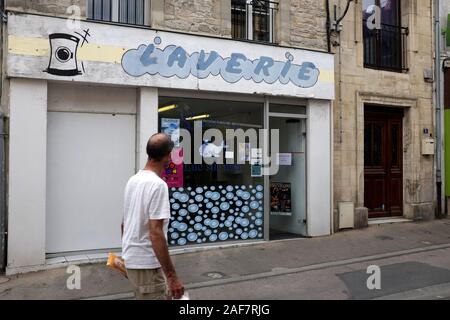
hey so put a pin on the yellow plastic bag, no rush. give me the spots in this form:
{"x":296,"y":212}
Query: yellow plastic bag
{"x":117,"y":263}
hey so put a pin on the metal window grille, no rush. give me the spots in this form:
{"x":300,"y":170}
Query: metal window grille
{"x":253,"y":20}
{"x":386,"y":48}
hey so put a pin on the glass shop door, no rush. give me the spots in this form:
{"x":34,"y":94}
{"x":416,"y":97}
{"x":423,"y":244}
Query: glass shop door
{"x":287,"y":188}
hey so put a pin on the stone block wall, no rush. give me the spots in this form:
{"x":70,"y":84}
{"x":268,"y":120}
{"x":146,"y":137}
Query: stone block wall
{"x":50,"y":7}
{"x":357,"y":86}
{"x":298,"y":23}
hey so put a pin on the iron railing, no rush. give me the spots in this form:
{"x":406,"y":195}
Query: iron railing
{"x":120,"y":11}
{"x":253,"y":20}
{"x":386,"y":48}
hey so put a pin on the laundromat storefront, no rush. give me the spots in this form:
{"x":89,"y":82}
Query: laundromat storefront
{"x":218,"y":183}
{"x":219,"y":197}
{"x":141,"y":81}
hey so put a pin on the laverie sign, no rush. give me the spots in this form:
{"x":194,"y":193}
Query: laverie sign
{"x":45,"y":48}
{"x":176,"y":61}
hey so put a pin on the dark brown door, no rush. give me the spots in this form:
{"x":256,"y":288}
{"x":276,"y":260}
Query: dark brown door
{"x":383,"y":162}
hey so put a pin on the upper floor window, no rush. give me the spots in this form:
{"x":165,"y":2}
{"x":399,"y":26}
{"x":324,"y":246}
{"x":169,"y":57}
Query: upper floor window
{"x":385,"y":41}
{"x":121,"y":11}
{"x":253,"y":19}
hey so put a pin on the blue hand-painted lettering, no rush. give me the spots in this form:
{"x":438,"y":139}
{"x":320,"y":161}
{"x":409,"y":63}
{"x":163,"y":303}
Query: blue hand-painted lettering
{"x":175,"y":61}
{"x":146,"y":58}
{"x":264,"y":64}
{"x":180,"y":55}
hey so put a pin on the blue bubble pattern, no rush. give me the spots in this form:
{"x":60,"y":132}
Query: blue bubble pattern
{"x":234,"y":210}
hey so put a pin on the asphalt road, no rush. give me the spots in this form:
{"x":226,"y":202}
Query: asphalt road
{"x":424,"y":275}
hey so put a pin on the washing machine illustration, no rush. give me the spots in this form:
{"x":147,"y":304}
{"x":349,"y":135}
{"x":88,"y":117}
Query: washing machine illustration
{"x":63,"y":58}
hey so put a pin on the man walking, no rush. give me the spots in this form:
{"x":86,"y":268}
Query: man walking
{"x":144,"y":228}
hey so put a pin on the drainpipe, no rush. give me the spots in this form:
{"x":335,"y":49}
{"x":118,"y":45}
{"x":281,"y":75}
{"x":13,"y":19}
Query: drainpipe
{"x":2,"y":160}
{"x":438,"y":110}
{"x":327,"y":9}
{"x":2,"y":197}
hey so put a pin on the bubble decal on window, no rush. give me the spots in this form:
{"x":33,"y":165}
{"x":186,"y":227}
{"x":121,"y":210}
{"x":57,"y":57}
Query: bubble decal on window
{"x":224,"y":206}
{"x":174,"y":235}
{"x":192,"y":237}
{"x":193,"y":208}
{"x":210,"y":214}
{"x":184,"y":198}
{"x":215,"y":196}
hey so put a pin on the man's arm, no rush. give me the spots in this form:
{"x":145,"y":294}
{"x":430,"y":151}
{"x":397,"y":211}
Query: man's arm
{"x":159,"y":245}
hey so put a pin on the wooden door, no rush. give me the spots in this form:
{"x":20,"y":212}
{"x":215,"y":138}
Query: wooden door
{"x":383,"y":162}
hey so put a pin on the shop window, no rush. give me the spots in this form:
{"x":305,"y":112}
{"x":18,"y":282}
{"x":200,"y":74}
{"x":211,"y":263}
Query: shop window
{"x":120,"y":11}
{"x":253,"y":20}
{"x":385,"y":45}
{"x":216,"y":186}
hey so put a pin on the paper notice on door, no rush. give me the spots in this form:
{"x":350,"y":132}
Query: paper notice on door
{"x":229,"y":155}
{"x":285,"y":159}
{"x":256,"y":156}
{"x":244,"y":152}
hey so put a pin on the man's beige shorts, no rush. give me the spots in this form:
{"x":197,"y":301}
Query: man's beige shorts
{"x":148,"y":284}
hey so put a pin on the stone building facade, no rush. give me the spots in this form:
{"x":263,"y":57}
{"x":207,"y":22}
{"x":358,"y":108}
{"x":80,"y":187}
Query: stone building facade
{"x":409,"y":91}
{"x":332,"y":113}
{"x":300,"y":23}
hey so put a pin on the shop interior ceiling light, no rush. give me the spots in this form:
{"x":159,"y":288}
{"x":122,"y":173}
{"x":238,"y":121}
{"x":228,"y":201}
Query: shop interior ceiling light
{"x":167,"y":108}
{"x":203,"y":116}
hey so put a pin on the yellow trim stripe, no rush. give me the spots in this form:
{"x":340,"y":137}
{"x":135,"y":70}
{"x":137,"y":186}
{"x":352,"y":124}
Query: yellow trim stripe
{"x":41,"y":47}
{"x":326,"y":76}
{"x":28,"y":46}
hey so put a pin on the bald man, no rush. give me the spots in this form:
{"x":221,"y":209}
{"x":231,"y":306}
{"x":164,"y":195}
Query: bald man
{"x":144,"y":228}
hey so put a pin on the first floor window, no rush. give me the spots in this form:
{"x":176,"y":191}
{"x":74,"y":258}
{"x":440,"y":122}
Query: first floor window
{"x":253,"y":19}
{"x":121,"y":11}
{"x":384,"y":43}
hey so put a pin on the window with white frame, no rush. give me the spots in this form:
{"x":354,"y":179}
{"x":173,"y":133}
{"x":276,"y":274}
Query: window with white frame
{"x":120,"y":11}
{"x":253,"y":19}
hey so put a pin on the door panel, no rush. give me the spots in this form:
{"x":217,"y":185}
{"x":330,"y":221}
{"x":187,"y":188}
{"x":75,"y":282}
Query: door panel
{"x":395,"y":162}
{"x":89,"y":160}
{"x":383,"y":162}
{"x":292,"y":141}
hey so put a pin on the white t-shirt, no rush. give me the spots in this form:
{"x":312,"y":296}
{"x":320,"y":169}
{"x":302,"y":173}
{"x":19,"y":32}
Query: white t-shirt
{"x":146,"y":198}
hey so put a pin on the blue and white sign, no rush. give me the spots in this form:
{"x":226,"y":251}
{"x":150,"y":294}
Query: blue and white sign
{"x":143,"y":57}
{"x":175,"y":61}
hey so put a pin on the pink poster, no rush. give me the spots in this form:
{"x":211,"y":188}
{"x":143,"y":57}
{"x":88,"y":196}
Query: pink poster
{"x":173,"y":175}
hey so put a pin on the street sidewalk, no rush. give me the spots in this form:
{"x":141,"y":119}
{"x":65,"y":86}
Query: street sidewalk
{"x":216,"y":267}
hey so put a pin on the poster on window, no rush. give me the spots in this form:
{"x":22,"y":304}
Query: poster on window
{"x":244,"y":152}
{"x":280,"y":199}
{"x":171,"y":127}
{"x":256,"y":170}
{"x":173,"y":174}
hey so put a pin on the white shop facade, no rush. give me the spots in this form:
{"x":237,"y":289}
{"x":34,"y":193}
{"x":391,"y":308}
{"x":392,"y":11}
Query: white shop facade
{"x":83,"y":103}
